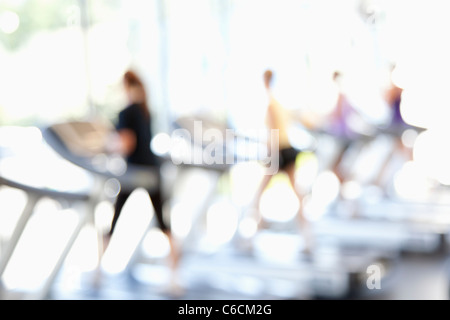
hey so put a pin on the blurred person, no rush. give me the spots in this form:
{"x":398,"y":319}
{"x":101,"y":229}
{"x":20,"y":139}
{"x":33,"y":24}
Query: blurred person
{"x":134,"y":137}
{"x":393,"y":97}
{"x":396,"y":125}
{"x":278,"y":118}
{"x":338,"y":126}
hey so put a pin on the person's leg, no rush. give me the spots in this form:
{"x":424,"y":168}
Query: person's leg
{"x":305,"y":227}
{"x":255,"y":203}
{"x":118,"y":205}
{"x":290,"y":157}
{"x":120,"y":202}
{"x":290,"y":171}
{"x":379,"y":179}
{"x":336,"y":166}
{"x":174,"y":254}
{"x":122,"y":197}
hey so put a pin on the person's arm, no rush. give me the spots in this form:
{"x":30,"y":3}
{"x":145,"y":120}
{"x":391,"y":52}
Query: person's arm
{"x":127,"y":142}
{"x":270,"y":117}
{"x":392,"y":94}
{"x":309,"y":120}
{"x":123,"y":141}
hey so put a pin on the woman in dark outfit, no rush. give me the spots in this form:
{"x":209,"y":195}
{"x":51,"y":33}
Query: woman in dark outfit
{"x":134,"y":129}
{"x":134,"y":132}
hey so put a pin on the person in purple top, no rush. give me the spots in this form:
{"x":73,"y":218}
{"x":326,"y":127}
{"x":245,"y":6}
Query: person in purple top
{"x":396,"y":126}
{"x":339,"y":127}
{"x":393,"y":97}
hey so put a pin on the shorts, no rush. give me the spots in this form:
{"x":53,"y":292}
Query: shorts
{"x":287,"y":156}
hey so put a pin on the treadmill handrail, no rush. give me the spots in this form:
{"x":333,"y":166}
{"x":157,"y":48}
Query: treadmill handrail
{"x":134,"y":176}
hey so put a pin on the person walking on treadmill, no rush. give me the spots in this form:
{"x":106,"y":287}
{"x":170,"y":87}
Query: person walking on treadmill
{"x":134,"y":137}
{"x":278,"y":118}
